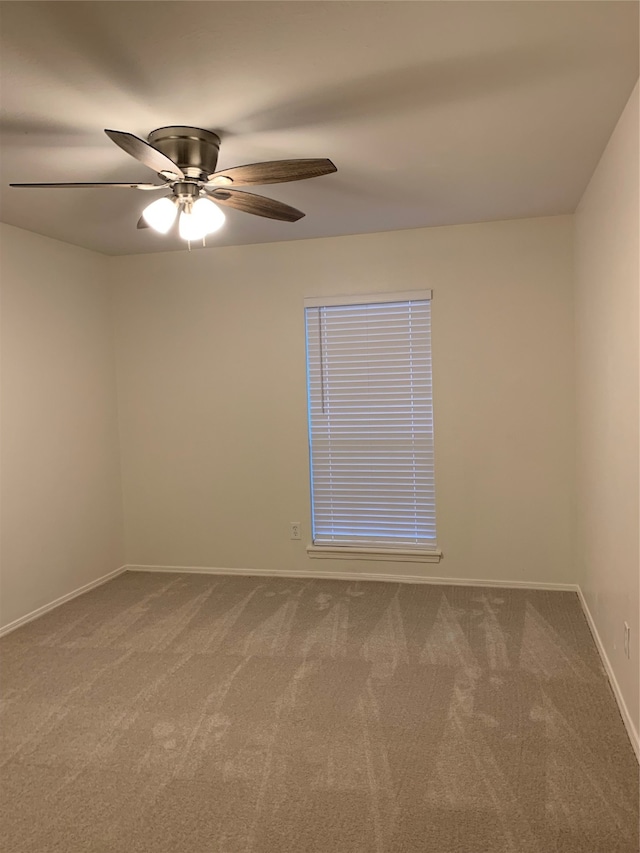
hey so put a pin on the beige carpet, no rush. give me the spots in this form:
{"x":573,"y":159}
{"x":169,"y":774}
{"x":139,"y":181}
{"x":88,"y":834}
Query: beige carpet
{"x":198,"y":714}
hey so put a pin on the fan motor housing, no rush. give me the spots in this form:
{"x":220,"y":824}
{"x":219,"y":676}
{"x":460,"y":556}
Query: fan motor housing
{"x":193,"y":149}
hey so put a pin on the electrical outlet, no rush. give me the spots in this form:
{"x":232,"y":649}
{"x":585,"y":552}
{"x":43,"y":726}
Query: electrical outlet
{"x":294,"y":530}
{"x":627,"y":646}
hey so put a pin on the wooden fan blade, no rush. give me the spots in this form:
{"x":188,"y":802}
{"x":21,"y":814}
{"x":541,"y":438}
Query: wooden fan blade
{"x":257,"y":204}
{"x":274,"y":172}
{"x":144,"y":152}
{"x":81,"y":186}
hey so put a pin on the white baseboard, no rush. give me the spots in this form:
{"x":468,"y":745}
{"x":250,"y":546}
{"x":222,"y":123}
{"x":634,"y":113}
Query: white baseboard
{"x":318,"y":573}
{"x":6,"y":629}
{"x":622,"y":705}
{"x":355,"y":576}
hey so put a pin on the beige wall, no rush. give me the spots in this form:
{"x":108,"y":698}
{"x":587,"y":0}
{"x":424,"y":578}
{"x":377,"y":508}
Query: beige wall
{"x":61,"y":509}
{"x":211,"y":361}
{"x":607,"y":281}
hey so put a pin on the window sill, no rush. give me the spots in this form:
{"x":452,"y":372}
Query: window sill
{"x":337,"y":552}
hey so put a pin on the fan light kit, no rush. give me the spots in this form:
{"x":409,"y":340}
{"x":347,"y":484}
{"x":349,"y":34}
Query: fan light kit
{"x":185,"y":159}
{"x":197,"y":219}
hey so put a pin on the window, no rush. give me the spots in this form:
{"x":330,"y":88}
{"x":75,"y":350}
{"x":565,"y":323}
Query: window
{"x":371,"y":424}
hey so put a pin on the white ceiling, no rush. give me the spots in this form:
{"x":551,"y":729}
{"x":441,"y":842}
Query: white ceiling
{"x":434,"y":112}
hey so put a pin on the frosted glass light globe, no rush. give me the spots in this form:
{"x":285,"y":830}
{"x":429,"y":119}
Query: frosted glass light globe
{"x":205,"y":218}
{"x":208,"y":215}
{"x":160,"y":215}
{"x":189,"y":228}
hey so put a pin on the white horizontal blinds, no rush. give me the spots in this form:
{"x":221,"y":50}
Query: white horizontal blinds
{"x":371,"y":424}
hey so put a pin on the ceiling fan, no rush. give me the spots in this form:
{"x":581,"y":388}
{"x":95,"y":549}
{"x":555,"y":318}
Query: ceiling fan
{"x":185,"y":159}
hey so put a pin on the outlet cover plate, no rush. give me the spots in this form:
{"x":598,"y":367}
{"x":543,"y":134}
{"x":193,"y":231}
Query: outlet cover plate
{"x":627,"y":645}
{"x":294,"y":530}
